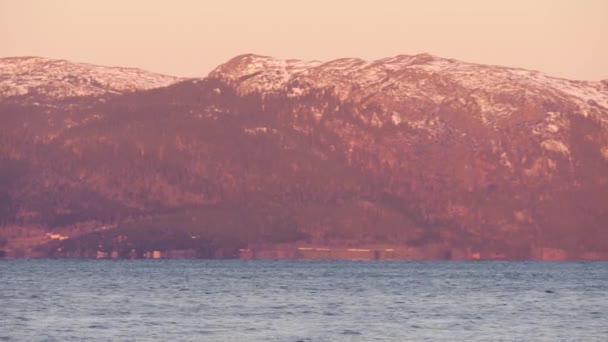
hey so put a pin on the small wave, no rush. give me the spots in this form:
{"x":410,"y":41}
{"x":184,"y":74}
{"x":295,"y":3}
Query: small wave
{"x":350,"y":332}
{"x":97,"y":326}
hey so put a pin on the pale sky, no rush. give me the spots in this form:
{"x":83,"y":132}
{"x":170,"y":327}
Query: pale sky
{"x":565,"y":38}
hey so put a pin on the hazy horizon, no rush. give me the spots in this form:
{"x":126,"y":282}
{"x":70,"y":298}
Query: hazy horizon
{"x":189,"y":38}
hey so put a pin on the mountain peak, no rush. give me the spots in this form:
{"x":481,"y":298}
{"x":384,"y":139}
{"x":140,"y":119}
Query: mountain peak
{"x":58,"y":78}
{"x":270,"y":71}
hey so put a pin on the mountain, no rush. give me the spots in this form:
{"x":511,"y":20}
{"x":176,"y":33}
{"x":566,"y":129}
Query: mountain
{"x":415,"y":156}
{"x":51,"y":78}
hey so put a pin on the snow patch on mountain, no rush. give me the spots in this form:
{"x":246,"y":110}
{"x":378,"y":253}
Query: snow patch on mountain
{"x":604,"y":151}
{"x":555,"y":146}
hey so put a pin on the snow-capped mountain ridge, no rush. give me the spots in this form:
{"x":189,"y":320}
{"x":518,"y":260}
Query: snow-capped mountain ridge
{"x":409,"y":89}
{"x":397,"y":81}
{"x":54,"y":78}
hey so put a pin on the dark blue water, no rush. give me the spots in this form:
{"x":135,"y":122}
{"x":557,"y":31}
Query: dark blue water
{"x":193,"y":300}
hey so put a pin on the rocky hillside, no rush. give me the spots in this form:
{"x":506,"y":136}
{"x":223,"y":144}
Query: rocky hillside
{"x":414,"y":152}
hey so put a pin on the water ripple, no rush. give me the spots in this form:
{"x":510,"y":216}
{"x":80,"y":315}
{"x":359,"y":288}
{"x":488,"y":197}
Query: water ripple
{"x":193,"y":300}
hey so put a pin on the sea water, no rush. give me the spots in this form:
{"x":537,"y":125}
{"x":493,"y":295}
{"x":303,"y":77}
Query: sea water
{"x":233,"y":300}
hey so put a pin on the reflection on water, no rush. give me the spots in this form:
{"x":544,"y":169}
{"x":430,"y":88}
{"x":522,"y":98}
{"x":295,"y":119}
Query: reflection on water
{"x":195,"y":300}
